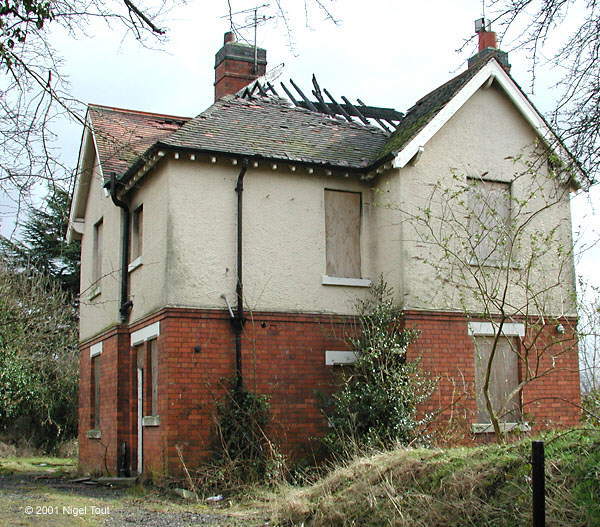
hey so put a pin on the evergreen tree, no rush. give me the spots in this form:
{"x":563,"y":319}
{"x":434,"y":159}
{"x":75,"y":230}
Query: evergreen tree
{"x":43,"y":246}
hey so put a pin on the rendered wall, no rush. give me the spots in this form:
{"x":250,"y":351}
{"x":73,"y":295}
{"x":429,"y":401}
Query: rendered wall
{"x":148,"y":281}
{"x":477,"y":141}
{"x":284,"y":239}
{"x":100,"y":312}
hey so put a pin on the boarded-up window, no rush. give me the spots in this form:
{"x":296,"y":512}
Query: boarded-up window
{"x":153,"y":364}
{"x":489,"y":221}
{"x":97,"y":252}
{"x":342,"y":230}
{"x":95,"y":393}
{"x":147,"y":362}
{"x":137,"y":233}
{"x":504,"y":378}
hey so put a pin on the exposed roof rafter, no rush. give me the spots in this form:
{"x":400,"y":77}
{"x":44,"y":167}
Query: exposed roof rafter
{"x":387,"y":119}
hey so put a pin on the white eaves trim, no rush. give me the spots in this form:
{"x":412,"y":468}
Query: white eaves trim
{"x":83,"y":178}
{"x":144,"y":334}
{"x":353,"y":282}
{"x":339,"y":357}
{"x":96,"y":349}
{"x":492,"y":70}
{"x":489,"y":329}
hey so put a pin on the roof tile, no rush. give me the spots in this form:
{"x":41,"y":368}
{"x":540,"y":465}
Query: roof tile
{"x":272,"y":128}
{"x":124,"y":135}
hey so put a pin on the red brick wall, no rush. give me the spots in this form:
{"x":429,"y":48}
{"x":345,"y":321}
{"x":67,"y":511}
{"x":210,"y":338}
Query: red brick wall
{"x":447,"y":352}
{"x":232,"y":75}
{"x":100,"y":455}
{"x":284,"y":357}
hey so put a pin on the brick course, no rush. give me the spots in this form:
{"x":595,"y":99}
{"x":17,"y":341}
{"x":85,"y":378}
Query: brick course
{"x":283,"y":357}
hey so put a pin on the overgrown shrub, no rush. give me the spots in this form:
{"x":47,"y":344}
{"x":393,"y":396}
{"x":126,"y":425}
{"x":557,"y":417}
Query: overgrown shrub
{"x":38,"y":359}
{"x":242,"y":453}
{"x":376,"y":405}
{"x":591,"y":407}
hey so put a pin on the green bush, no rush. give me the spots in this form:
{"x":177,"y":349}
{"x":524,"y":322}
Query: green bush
{"x":38,"y":359}
{"x":376,"y":405}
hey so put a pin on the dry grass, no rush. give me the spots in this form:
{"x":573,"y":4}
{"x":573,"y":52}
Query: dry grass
{"x":460,"y":487}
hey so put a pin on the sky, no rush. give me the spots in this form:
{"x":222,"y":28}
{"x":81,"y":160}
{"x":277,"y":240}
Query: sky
{"x":387,"y":53}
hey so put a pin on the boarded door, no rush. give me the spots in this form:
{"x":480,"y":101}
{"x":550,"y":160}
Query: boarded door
{"x":504,"y":378}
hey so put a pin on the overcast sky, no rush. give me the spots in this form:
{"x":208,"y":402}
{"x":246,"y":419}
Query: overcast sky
{"x":388,"y":53}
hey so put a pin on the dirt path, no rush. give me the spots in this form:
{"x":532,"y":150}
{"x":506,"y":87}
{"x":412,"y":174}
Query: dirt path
{"x":34,"y":499}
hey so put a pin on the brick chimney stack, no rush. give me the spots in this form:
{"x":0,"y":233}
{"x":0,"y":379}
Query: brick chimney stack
{"x":235,"y":66}
{"x":488,"y":44}
{"x":487,"y":37}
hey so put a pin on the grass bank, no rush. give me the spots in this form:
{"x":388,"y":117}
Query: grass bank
{"x":458,"y":487}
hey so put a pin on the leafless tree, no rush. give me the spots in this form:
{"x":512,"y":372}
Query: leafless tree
{"x":538,"y":26}
{"x":501,"y":253}
{"x":33,"y":92}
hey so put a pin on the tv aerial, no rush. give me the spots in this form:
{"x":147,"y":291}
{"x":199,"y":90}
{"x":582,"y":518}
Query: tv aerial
{"x":245,"y":19}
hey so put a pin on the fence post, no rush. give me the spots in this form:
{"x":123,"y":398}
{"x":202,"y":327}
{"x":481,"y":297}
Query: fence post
{"x":538,"y":484}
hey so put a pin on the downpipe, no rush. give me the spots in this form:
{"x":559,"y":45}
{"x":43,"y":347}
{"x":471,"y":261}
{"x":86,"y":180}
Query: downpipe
{"x":238,"y":320}
{"x":125,"y":304}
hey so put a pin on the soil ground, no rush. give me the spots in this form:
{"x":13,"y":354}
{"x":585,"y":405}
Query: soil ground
{"x":41,"y":492}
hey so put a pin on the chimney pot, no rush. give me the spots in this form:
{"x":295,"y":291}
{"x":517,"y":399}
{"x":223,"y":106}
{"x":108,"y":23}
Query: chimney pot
{"x":229,"y":37}
{"x":488,"y":44}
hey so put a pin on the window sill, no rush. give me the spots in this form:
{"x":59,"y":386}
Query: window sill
{"x":335,"y":358}
{"x":487,"y":428}
{"x":352,"y":282}
{"x":93,"y":434}
{"x":135,"y":264}
{"x":94,"y":292}
{"x":151,"y":420}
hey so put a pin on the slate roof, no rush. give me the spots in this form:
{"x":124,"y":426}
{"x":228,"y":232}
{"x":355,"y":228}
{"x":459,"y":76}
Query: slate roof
{"x":267,"y":127}
{"x":122,"y":136}
{"x":426,"y":108}
{"x":273,"y":128}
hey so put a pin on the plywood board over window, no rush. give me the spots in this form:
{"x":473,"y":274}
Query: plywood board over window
{"x":153,"y":363}
{"x":504,"y":378}
{"x":342,"y":231}
{"x":489,"y":220}
{"x":95,"y":393}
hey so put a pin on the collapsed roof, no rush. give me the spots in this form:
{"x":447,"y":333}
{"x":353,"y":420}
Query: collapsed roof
{"x":258,"y":123}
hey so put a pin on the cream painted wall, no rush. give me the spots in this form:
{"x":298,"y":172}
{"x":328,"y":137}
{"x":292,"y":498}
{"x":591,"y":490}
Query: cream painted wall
{"x":101,"y":311}
{"x":148,"y":281}
{"x":189,"y":247}
{"x":284,"y":239}
{"x":477,"y":140}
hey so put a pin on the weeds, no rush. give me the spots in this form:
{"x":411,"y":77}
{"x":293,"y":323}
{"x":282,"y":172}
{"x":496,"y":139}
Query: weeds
{"x":243,"y":455}
{"x":487,"y":486}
